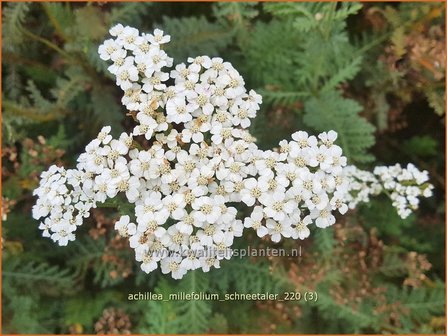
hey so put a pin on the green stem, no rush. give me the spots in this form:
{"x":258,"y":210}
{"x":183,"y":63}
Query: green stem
{"x":54,"y":21}
{"x":48,"y":43}
{"x":88,"y":69}
{"x":372,"y":44}
{"x":32,"y":113}
{"x":330,"y":24}
{"x":386,"y":192}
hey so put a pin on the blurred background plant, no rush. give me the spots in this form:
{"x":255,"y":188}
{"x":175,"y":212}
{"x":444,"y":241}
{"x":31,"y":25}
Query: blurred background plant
{"x":374,"y":72}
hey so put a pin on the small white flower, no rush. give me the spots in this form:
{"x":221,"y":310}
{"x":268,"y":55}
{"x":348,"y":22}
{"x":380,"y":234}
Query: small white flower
{"x":175,"y":204}
{"x":116,"y":30}
{"x":130,"y":187}
{"x":141,"y":166}
{"x":104,"y":188}
{"x":124,"y":227}
{"x":148,"y":261}
{"x":158,"y":37}
{"x":119,"y":58}
{"x":174,"y":239}
{"x":208,"y":262}
{"x":114,"y":150}
{"x":183,"y":73}
{"x":207,"y":209}
{"x":127,"y":37}
{"x":323,"y":218}
{"x":127,"y":74}
{"x":304,"y":140}
{"x":106,"y":49}
{"x":277,"y":206}
{"x":338,"y":203}
{"x":255,"y":221}
{"x":45,"y":227}
{"x":146,"y":127}
{"x":104,"y":135}
{"x":317,"y":201}
{"x":242,"y":113}
{"x":172,"y":264}
{"x":300,"y":229}
{"x":199,"y":179}
{"x":155,"y":82}
{"x":178,"y":111}
{"x":63,"y":233}
{"x":186,"y":224}
{"x":192,"y":259}
{"x":200,"y":99}
{"x":328,"y":138}
{"x":253,"y":190}
{"x":278,"y":229}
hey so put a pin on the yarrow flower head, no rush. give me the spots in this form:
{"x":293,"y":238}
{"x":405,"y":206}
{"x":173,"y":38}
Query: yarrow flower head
{"x":201,"y":159}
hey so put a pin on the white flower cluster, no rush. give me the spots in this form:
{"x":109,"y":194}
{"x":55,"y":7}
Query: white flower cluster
{"x":362,"y":185}
{"x":62,"y":202}
{"x":403,"y":185}
{"x":202,"y":163}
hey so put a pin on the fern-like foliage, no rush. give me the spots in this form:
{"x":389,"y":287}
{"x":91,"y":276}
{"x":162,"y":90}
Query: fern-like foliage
{"x":159,"y":317}
{"x":393,"y":264}
{"x":193,"y":315}
{"x":418,"y":305}
{"x":250,"y":277}
{"x":37,"y":98}
{"x":349,"y":318}
{"x":62,"y":19}
{"x":302,"y":56}
{"x":89,"y":24}
{"x":303,"y":14}
{"x":326,"y":61}
{"x":344,"y":73}
{"x":271,"y":54}
{"x":332,"y":111}
{"x":378,"y":214}
{"x":324,"y":242}
{"x":66,"y":90}
{"x":236,"y":12}
{"x":35,"y":109}
{"x":281,"y":97}
{"x":12,"y":84}
{"x":436,"y":99}
{"x":24,"y":318}
{"x":89,"y":254}
{"x":194,"y":36}
{"x":26,"y":286}
{"x":308,"y":16}
{"x":85,"y":308}
{"x":105,"y":109}
{"x":181,"y":316}
{"x":315,"y":16}
{"x":32,"y":273}
{"x":12,"y":23}
{"x":237,"y":18}
{"x":130,"y":13}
